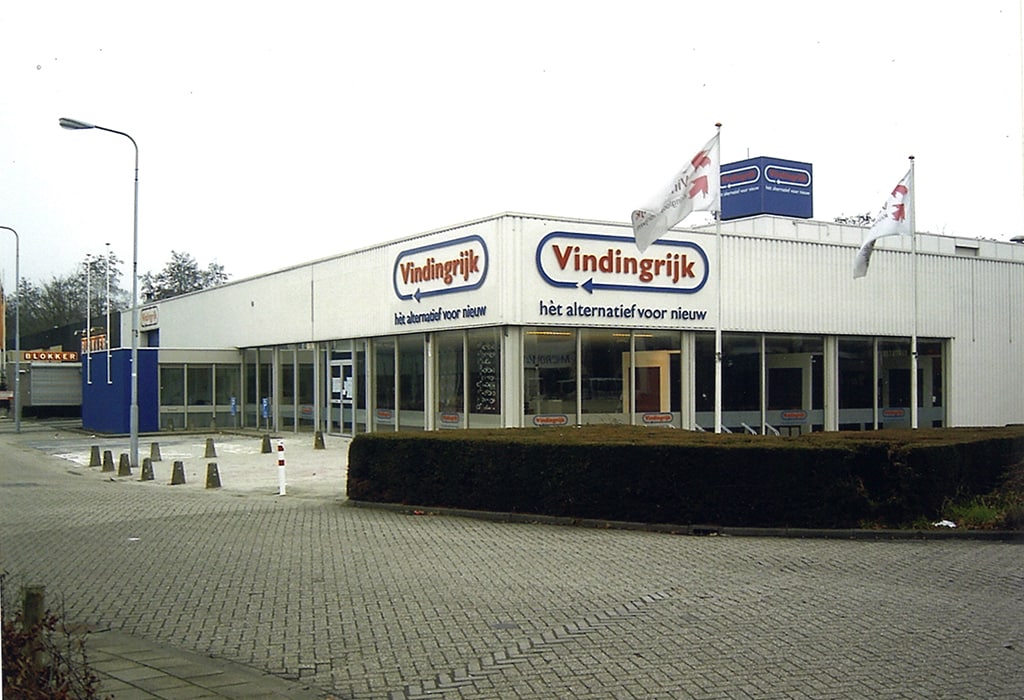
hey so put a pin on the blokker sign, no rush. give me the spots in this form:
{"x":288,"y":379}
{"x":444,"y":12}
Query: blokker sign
{"x":49,"y":356}
{"x":592,"y":262}
{"x":457,"y":265}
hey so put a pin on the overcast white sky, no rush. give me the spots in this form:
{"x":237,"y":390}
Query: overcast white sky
{"x":273,"y":133}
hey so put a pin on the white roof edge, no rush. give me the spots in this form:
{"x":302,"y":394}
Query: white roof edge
{"x":703,"y":228}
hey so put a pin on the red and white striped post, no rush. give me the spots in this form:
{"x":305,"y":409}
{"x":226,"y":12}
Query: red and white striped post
{"x":280,"y":468}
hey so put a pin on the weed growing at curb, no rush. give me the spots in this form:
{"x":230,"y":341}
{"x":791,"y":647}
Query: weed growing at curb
{"x":1001,"y":509}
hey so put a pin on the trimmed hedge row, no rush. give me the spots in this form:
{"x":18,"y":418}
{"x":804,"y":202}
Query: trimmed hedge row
{"x":824,"y":480}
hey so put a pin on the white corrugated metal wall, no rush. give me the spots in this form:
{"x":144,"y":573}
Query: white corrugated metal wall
{"x":971,"y":294}
{"x":778,"y":276}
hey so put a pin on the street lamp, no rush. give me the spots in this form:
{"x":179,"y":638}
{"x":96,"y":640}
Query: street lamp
{"x":88,"y":318}
{"x":75,"y":125}
{"x":17,"y":329}
{"x":106,"y":342}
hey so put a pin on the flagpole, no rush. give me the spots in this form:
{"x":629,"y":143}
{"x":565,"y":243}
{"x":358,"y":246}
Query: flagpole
{"x":671,"y":206}
{"x":718,"y":285}
{"x":913,"y":337}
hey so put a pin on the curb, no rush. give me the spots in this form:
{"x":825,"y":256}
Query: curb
{"x":701,"y":530}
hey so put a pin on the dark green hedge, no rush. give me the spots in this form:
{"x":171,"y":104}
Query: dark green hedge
{"x":830,"y":480}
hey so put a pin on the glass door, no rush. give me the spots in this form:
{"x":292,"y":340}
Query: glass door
{"x":342,"y":391}
{"x":348,"y":397}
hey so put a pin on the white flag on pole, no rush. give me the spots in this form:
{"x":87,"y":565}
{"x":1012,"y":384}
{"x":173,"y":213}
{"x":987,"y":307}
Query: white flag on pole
{"x":694,"y":188}
{"x":893,"y":219}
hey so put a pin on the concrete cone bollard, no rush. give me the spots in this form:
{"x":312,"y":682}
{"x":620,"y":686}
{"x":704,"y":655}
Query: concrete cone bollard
{"x":178,"y":475}
{"x":108,"y":461}
{"x":211,"y":451}
{"x":154,"y":452}
{"x":147,"y":469}
{"x":212,"y":476}
{"x":94,"y":456}
{"x":124,"y":466}
{"x":318,"y":440}
{"x":266,"y":445}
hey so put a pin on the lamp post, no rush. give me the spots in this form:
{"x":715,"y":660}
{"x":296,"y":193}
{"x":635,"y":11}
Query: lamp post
{"x":106,"y":342}
{"x":17,"y":329}
{"x":75,"y":125}
{"x":88,"y":318}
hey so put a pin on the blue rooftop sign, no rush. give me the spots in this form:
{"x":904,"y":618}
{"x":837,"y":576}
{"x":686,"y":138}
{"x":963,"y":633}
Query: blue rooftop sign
{"x":767,"y":186}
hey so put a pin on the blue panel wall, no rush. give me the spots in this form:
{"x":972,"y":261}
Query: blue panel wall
{"x":767,"y":186}
{"x":106,"y":406}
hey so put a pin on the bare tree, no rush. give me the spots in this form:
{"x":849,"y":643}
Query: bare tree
{"x":855,"y":219}
{"x":180,"y":276}
{"x":63,"y":300}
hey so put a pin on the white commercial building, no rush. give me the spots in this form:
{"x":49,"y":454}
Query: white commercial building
{"x":521,"y":320}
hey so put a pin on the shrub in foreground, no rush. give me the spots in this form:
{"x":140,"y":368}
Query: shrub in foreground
{"x":45,"y":662}
{"x":824,"y":480}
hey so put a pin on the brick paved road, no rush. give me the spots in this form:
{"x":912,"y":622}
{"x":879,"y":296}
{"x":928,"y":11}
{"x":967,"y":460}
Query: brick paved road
{"x":370,"y":604}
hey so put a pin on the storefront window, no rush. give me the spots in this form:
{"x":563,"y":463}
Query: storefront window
{"x":795,"y":382}
{"x":306,"y":384}
{"x":172,"y":396}
{"x":411,"y":383}
{"x":249,"y":413}
{"x":549,"y":371}
{"x":305,"y":387}
{"x":227,"y":379}
{"x":263,"y":399}
{"x":200,"y":385}
{"x":450,"y":376}
{"x":602,"y":356}
{"x":286,"y":388}
{"x":929,"y":362}
{"x":257,"y":387}
{"x":657,"y":385}
{"x":360,"y":380}
{"x":287,"y":376}
{"x":894,"y":382}
{"x":172,"y":385}
{"x":484,"y":346}
{"x":856,"y":383}
{"x":384,"y":382}
{"x":704,"y":381}
{"x":856,"y":357}
{"x":200,"y":395}
{"x":741,"y":380}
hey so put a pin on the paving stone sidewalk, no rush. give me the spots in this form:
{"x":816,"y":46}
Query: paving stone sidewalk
{"x":344,"y":602}
{"x":132,"y":668}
